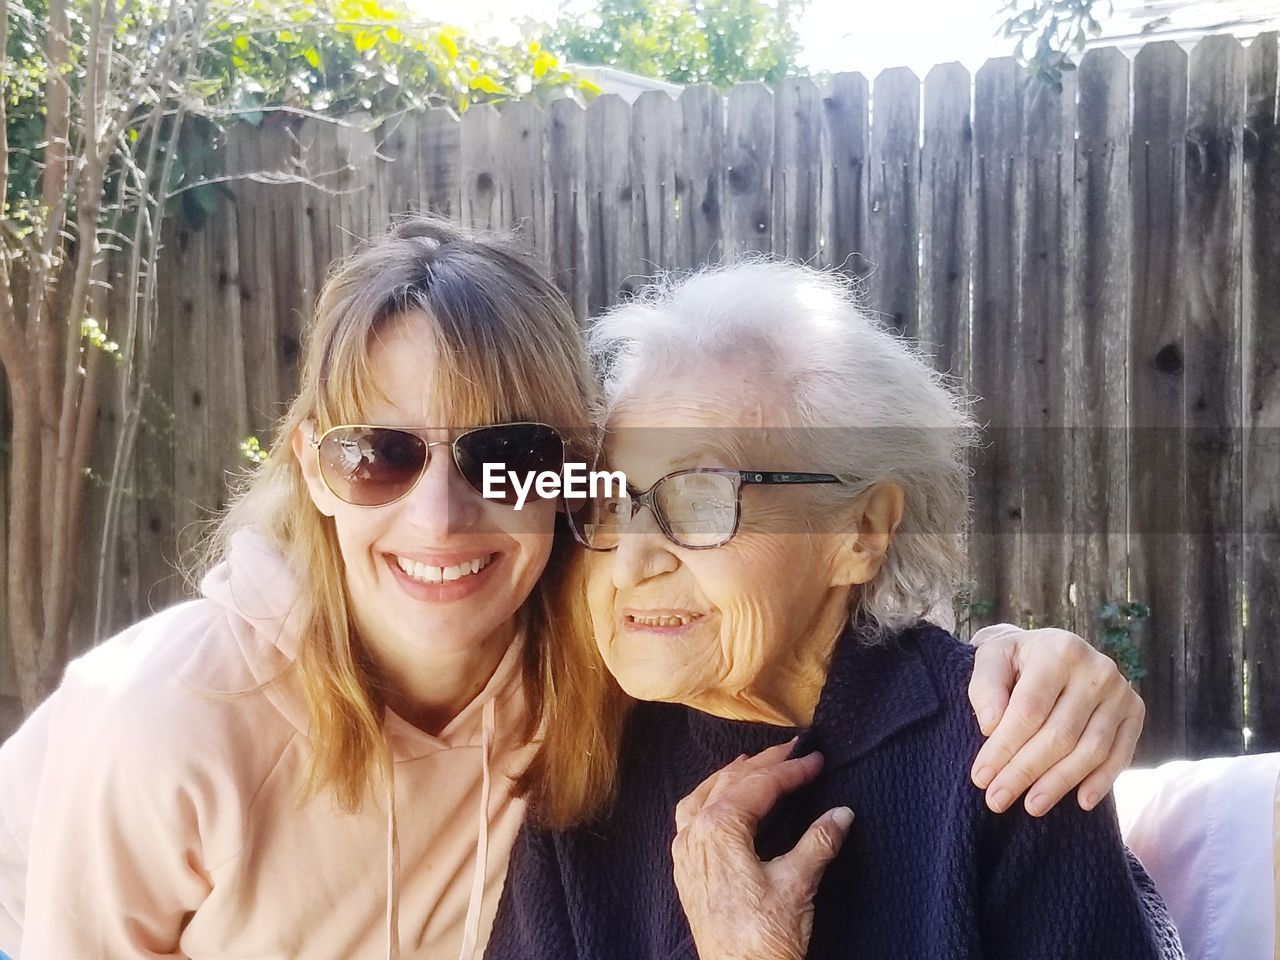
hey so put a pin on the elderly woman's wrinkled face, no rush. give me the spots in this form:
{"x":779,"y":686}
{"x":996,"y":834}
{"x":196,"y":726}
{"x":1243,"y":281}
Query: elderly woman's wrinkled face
{"x":744,"y":629}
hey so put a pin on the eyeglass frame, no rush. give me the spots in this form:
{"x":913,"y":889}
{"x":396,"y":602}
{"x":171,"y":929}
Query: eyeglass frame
{"x":316,"y":440}
{"x":745,"y":478}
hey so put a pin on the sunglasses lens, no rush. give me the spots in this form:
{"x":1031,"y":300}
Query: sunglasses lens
{"x":521,"y":448}
{"x":371,"y":466}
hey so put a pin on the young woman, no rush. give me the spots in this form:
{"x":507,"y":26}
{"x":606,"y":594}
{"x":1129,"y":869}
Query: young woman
{"x":328,"y":754}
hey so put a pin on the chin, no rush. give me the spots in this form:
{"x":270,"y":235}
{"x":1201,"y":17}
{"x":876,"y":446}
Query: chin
{"x":647,"y":680}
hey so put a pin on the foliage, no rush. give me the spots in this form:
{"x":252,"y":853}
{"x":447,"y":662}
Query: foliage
{"x":1048,"y":32}
{"x":968,"y":608}
{"x":336,"y":56}
{"x":1121,"y":623}
{"x":251,"y":449}
{"x":722,"y":42}
{"x":329,"y":57}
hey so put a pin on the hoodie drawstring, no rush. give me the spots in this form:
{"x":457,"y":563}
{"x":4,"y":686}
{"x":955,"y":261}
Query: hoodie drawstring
{"x":393,"y":870}
{"x":471,"y":931}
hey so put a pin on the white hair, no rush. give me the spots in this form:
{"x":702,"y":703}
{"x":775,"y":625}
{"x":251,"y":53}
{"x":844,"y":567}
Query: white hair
{"x":806,"y":338}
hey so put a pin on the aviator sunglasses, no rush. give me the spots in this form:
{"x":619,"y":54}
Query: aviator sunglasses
{"x":371,"y":466}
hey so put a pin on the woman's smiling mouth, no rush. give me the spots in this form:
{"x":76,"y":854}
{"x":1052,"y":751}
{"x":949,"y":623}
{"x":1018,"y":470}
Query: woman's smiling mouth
{"x":427,"y":573}
{"x":659,"y":621}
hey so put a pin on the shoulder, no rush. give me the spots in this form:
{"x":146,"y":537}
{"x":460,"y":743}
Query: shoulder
{"x":163,"y":713}
{"x":948,"y":659}
{"x":175,"y":681}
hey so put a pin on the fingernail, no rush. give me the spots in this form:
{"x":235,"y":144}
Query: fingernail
{"x":1089,"y":801}
{"x":984,"y":777}
{"x":1000,"y":799}
{"x":1038,"y":805}
{"x":987,"y":718}
{"x":842,"y":816}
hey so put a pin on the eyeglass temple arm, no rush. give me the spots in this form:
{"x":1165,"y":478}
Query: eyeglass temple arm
{"x":774,"y":477}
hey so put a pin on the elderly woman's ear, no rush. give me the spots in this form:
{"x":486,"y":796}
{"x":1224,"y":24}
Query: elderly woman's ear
{"x":871,"y":523}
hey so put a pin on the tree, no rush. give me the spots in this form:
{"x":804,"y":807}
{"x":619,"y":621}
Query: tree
{"x":722,"y":42}
{"x":1048,"y":32}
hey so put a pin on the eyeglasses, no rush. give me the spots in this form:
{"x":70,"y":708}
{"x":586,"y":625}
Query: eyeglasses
{"x":697,"y":508}
{"x":372,"y":466}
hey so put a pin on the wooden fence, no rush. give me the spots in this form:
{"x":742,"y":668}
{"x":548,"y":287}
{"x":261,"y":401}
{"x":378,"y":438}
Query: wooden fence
{"x":1102,"y":267}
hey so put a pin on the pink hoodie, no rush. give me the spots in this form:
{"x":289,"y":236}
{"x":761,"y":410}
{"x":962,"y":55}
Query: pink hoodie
{"x":151,"y":807}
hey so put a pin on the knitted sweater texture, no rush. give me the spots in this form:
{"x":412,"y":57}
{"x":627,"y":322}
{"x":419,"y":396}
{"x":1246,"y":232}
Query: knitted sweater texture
{"x":927,"y":871}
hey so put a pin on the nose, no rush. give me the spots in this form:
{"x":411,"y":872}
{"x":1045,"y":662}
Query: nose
{"x":643,"y":552}
{"x":441,"y":503}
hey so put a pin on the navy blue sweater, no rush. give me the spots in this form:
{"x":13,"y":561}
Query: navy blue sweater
{"x":927,"y":871}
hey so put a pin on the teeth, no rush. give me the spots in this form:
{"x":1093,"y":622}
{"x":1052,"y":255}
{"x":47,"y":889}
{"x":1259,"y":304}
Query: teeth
{"x":429,"y":574}
{"x":676,"y":621}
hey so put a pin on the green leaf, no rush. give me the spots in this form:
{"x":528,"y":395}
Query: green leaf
{"x":365,"y":40}
{"x":312,"y":56}
{"x":242,"y":42}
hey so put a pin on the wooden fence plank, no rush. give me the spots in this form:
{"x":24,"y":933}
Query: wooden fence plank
{"x":797,"y":180}
{"x":399,"y":177}
{"x":524,"y":175}
{"x":291,"y":277}
{"x":8,"y":670}
{"x":1098,"y":332}
{"x":1157,"y":385}
{"x":893,"y":228}
{"x":946,"y":218}
{"x":845,"y":136}
{"x":247,"y":147}
{"x":156,"y":458}
{"x":566,"y":139}
{"x":700,"y":163}
{"x":1262,"y":395}
{"x":361,"y":210}
{"x":748,"y":196}
{"x":440,"y":163}
{"x":609,"y":255}
{"x":995,"y":545}
{"x":1212,"y":299}
{"x":190,"y":394}
{"x":481,"y":151}
{"x":1040,"y":370}
{"x":654,"y":130}
{"x":320,"y":235}
{"x":110,"y":307}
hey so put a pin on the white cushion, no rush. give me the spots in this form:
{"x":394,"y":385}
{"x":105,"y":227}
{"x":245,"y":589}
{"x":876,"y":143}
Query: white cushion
{"x":1208,"y":832}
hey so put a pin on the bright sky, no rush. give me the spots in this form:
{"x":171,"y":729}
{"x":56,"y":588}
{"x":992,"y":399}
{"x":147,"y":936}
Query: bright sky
{"x":837,"y":34}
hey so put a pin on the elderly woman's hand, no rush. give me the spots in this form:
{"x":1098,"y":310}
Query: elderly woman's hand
{"x":738,"y":907}
{"x":1057,"y":713}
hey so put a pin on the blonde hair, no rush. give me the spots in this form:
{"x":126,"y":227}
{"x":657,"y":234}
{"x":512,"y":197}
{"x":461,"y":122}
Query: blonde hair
{"x":509,"y":350}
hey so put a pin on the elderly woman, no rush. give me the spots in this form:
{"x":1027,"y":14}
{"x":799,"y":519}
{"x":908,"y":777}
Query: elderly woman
{"x":795,"y":505}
